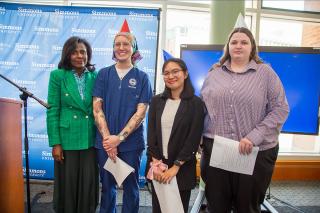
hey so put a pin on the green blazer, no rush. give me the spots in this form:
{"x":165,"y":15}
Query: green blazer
{"x":70,"y":119}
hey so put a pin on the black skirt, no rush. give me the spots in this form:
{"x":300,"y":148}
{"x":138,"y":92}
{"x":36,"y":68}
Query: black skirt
{"x":76,"y":182}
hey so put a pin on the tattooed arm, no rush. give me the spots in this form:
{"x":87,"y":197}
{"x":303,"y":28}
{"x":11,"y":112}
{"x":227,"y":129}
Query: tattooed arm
{"x":100,"y":118}
{"x":134,"y":122}
{"x":102,"y":126}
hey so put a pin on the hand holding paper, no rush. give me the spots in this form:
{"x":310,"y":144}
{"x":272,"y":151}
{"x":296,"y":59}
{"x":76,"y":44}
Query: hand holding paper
{"x":225,"y":155}
{"x":119,"y":169}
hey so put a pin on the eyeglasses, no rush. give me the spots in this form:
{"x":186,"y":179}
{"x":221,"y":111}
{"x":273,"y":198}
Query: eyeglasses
{"x":174,"y":72}
{"x":124,"y":44}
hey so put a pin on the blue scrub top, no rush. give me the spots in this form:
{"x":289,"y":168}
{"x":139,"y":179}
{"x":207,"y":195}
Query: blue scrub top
{"x":120,"y":100}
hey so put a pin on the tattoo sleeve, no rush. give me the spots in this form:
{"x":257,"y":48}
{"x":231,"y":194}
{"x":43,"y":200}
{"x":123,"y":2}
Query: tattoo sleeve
{"x":136,"y":120}
{"x":99,"y":117}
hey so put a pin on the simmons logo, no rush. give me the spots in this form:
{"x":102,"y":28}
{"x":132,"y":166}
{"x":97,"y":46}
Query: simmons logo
{"x":148,"y":70}
{"x":103,"y":15}
{"x":35,"y":172}
{"x":24,"y":82}
{"x":151,"y":35}
{"x":46,"y":155}
{"x":46,"y":30}
{"x":10,"y":27}
{"x":39,"y":136}
{"x":37,"y":65}
{"x":132,"y":83}
{"x":66,"y":12}
{"x":9,"y":63}
{"x":83,"y":30}
{"x":56,"y":48}
{"x":146,"y":53}
{"x":29,"y":12}
{"x":140,"y":16}
{"x":23,"y":47}
{"x":102,"y":51}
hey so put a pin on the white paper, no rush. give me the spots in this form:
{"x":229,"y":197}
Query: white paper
{"x":168,"y":196}
{"x":225,"y":155}
{"x":119,"y":169}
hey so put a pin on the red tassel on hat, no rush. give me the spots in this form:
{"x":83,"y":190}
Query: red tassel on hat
{"x":125,"y":27}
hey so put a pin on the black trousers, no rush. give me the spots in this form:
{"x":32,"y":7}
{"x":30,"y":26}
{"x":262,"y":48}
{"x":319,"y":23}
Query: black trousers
{"x":185,"y":198}
{"x":228,"y":190}
{"x":76,"y":182}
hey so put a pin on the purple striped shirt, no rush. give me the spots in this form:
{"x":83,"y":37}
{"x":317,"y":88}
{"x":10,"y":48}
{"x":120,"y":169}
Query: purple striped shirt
{"x":251,"y":104}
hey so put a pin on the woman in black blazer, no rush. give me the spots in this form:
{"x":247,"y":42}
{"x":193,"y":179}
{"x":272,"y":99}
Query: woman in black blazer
{"x":175,"y":125}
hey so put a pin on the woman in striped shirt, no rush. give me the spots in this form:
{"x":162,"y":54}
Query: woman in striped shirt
{"x":246,"y":102}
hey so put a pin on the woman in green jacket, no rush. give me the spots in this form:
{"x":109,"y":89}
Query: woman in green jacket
{"x":71,"y":131}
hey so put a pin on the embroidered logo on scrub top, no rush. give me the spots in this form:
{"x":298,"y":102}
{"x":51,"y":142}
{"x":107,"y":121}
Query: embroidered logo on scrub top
{"x":132,"y":83}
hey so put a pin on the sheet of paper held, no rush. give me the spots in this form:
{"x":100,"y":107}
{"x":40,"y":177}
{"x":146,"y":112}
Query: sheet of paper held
{"x":225,"y":155}
{"x":119,"y":169}
{"x":168,"y":196}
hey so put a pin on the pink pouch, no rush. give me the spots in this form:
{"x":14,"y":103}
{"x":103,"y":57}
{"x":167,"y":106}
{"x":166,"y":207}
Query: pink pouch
{"x":156,"y":168}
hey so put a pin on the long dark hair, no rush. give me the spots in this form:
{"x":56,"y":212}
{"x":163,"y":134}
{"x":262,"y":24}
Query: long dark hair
{"x":254,"y":50}
{"x":188,"y":90}
{"x":69,"y":46}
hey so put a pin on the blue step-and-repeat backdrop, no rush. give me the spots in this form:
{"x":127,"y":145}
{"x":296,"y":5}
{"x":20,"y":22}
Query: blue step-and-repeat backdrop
{"x":31,"y":40}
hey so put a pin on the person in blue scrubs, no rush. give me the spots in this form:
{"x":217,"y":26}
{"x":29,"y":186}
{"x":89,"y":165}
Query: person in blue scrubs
{"x":121,"y":96}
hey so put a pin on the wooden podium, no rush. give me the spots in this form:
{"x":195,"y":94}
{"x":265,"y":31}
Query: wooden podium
{"x":11,"y":175}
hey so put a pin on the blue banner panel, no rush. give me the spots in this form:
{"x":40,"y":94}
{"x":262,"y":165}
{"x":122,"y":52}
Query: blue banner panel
{"x":31,"y":40}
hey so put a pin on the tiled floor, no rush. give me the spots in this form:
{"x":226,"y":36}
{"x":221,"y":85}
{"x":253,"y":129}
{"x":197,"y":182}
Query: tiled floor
{"x":303,"y":196}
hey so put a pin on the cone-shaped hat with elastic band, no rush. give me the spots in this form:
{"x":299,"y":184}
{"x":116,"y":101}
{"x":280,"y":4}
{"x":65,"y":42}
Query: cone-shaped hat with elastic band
{"x":125,"y":27}
{"x":125,"y":31}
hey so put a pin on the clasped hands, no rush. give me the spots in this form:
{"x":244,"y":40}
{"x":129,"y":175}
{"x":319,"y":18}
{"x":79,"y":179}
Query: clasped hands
{"x":110,"y":144}
{"x":165,"y":176}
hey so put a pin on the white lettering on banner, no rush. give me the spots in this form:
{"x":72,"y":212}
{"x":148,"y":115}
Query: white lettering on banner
{"x":101,"y":15}
{"x":46,"y":29}
{"x":38,"y":136}
{"x":145,"y":15}
{"x":148,"y":70}
{"x":66,"y":12}
{"x":146,"y":53}
{"x":10,"y":27}
{"x":151,"y":35}
{"x":9,"y":63}
{"x":29,"y":12}
{"x":46,"y":155}
{"x":133,"y":16}
{"x":102,"y":50}
{"x":35,"y":172}
{"x":57,"y":48}
{"x":37,"y":65}
{"x":22,"y":47}
{"x":83,"y":30}
{"x":31,"y":85}
{"x":30,"y":48}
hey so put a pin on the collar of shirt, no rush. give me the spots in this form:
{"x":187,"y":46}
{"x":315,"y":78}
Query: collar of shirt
{"x":82,"y":74}
{"x":251,"y":66}
{"x":81,"y":82}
